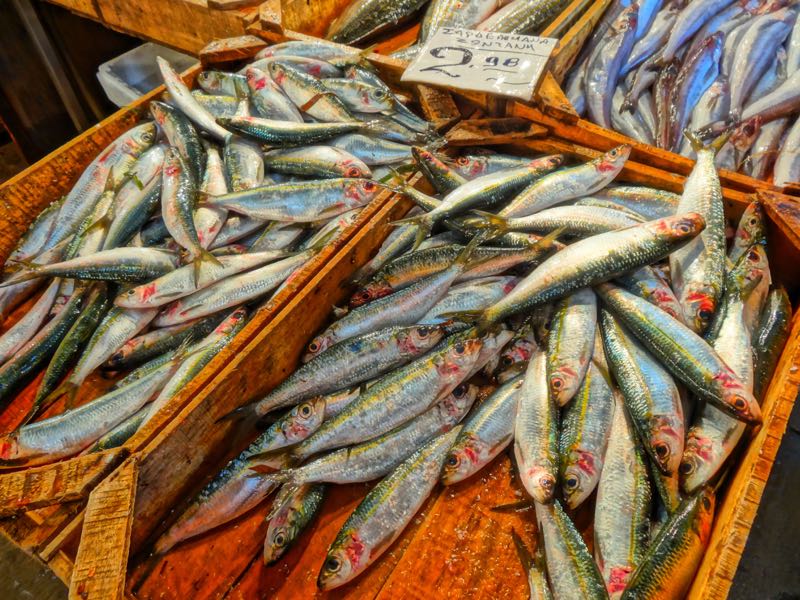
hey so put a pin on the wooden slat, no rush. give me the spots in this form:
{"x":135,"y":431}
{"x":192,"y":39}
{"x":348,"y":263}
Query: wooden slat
{"x":62,"y":482}
{"x":478,"y":132}
{"x":270,"y":16}
{"x":102,"y":559}
{"x":311,"y":18}
{"x":570,"y":45}
{"x":232,"y":4}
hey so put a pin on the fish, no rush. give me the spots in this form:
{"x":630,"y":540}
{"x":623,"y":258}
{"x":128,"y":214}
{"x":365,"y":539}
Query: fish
{"x":603,"y":70}
{"x":23,"y":330}
{"x":535,"y":568}
{"x":309,"y":94}
{"x":526,"y":17}
{"x":384,"y":514}
{"x":289,"y":133}
{"x":691,"y":18}
{"x":568,"y":184}
{"x":454,"y":13}
{"x":570,"y":344}
{"x":244,"y":165}
{"x":362,"y":19}
{"x":770,"y":337}
{"x":181,"y":135}
{"x":178,"y":204}
{"x":186,"y":102}
{"x":469,"y":296}
{"x":372,"y":151}
{"x":583,"y":435}
{"x":208,"y":221}
{"x":486,"y":432}
{"x":787,"y":164}
{"x":685,"y":354}
{"x":669,"y":564}
{"x":352,"y":361}
{"x":536,"y":433}
{"x":589,"y":261}
{"x":268,"y":98}
{"x":571,"y":568}
{"x":697,"y":269}
{"x":650,"y":284}
{"x":624,"y":502}
{"x":316,"y":161}
{"x":289,"y":518}
{"x":398,"y":396}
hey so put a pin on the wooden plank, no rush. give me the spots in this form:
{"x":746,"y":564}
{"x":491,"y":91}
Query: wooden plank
{"x":51,"y":484}
{"x":738,"y":508}
{"x":232,"y":4}
{"x":571,"y":44}
{"x":479,"y":132}
{"x":270,"y":16}
{"x":230,"y":50}
{"x":311,"y":18}
{"x":84,"y":8}
{"x":102,"y":558}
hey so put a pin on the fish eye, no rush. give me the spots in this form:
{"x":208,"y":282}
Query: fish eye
{"x":463,"y":160}
{"x":369,"y":185}
{"x":752,"y":255}
{"x":423,"y":332}
{"x":684,"y":227}
{"x":313,"y":346}
{"x":507,"y":361}
{"x":279,"y":539}
{"x":686,"y":468}
{"x":332,"y":564}
{"x":459,"y":348}
{"x":305,"y":410}
{"x":557,"y":383}
{"x":571,"y":483}
{"x":753,"y":221}
{"x":379,"y":94}
{"x":460,"y":391}
{"x":661,"y":450}
{"x":704,"y":314}
{"x":453,"y":460}
{"x":353,"y":172}
{"x":546,"y":481}
{"x":739,"y":403}
{"x":706,"y":503}
{"x":614,"y":152}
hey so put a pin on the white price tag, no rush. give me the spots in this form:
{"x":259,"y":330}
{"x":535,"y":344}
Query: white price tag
{"x":482,"y":61}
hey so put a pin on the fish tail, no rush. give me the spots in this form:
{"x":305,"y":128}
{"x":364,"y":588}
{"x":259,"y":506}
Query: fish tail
{"x":466,"y":254}
{"x":204,"y":258}
{"x":248,"y":412}
{"x":523,"y":553}
{"x":27,"y":270}
{"x":68,"y":389}
{"x":490,"y":224}
{"x":422,"y":223}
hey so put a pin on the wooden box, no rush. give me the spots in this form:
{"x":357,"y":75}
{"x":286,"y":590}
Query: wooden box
{"x":456,"y":546}
{"x":42,"y":507}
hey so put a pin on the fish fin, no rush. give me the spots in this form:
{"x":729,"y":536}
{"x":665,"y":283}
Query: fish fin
{"x":465,"y":316}
{"x":205,"y":257}
{"x":67,"y":388}
{"x":423,"y":225}
{"x":466,"y":254}
{"x":489,"y":223}
{"x":27,"y":270}
{"x":523,"y":553}
{"x":339,"y":312}
{"x":512,"y":507}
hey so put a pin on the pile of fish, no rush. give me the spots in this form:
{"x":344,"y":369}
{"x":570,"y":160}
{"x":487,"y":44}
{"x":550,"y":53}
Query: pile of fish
{"x":362,"y":20}
{"x":178,"y":230}
{"x":716,"y":68}
{"x":615,"y":340}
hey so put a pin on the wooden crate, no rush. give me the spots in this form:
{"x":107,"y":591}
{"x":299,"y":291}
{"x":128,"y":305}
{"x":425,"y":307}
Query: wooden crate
{"x":42,"y":507}
{"x":457,"y":546}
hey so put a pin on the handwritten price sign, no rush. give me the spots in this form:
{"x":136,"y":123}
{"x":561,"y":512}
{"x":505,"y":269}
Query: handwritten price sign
{"x":482,"y":61}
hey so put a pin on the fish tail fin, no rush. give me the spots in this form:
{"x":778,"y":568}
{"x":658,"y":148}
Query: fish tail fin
{"x":67,"y":388}
{"x":204,"y":258}
{"x":248,"y":412}
{"x":463,"y":258}
{"x":490,"y":224}
{"x":523,"y":553}
{"x":423,"y":224}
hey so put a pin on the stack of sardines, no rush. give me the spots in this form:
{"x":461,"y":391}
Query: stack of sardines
{"x":180,"y":228}
{"x":362,"y":20}
{"x":714,"y":69}
{"x":627,"y":345}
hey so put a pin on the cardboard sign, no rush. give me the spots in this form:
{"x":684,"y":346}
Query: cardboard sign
{"x":482,"y":61}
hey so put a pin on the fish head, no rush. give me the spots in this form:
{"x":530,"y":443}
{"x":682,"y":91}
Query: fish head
{"x":704,"y":514}
{"x":317,"y":346}
{"x":159,"y":111}
{"x":745,"y":134}
{"x":612,"y":161}
{"x":678,"y":228}
{"x":751,"y":225}
{"x":741,"y":401}
{"x":666,"y":441}
{"x":564,"y":382}
{"x":519,"y":351}
{"x":419,"y":338}
{"x":353,"y":168}
{"x":307,"y":416}
{"x":472,"y":166}
{"x":256,"y":79}
{"x":120,"y":355}
{"x":540,"y":483}
{"x":700,"y":306}
{"x":210,"y":81}
{"x":468,"y":455}
{"x":278,"y":72}
{"x":362,"y":190}
{"x":372,"y":291}
{"x":232,"y":321}
{"x":141,"y":138}
{"x":342,"y":561}
{"x":9,"y":445}
{"x":460,"y":358}
{"x":279,"y":536}
{"x":459,"y":401}
{"x":547,"y":163}
{"x":379,"y":98}
{"x":137,"y":296}
{"x":580,"y":473}
{"x":750,"y":269}
{"x":700,"y":460}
